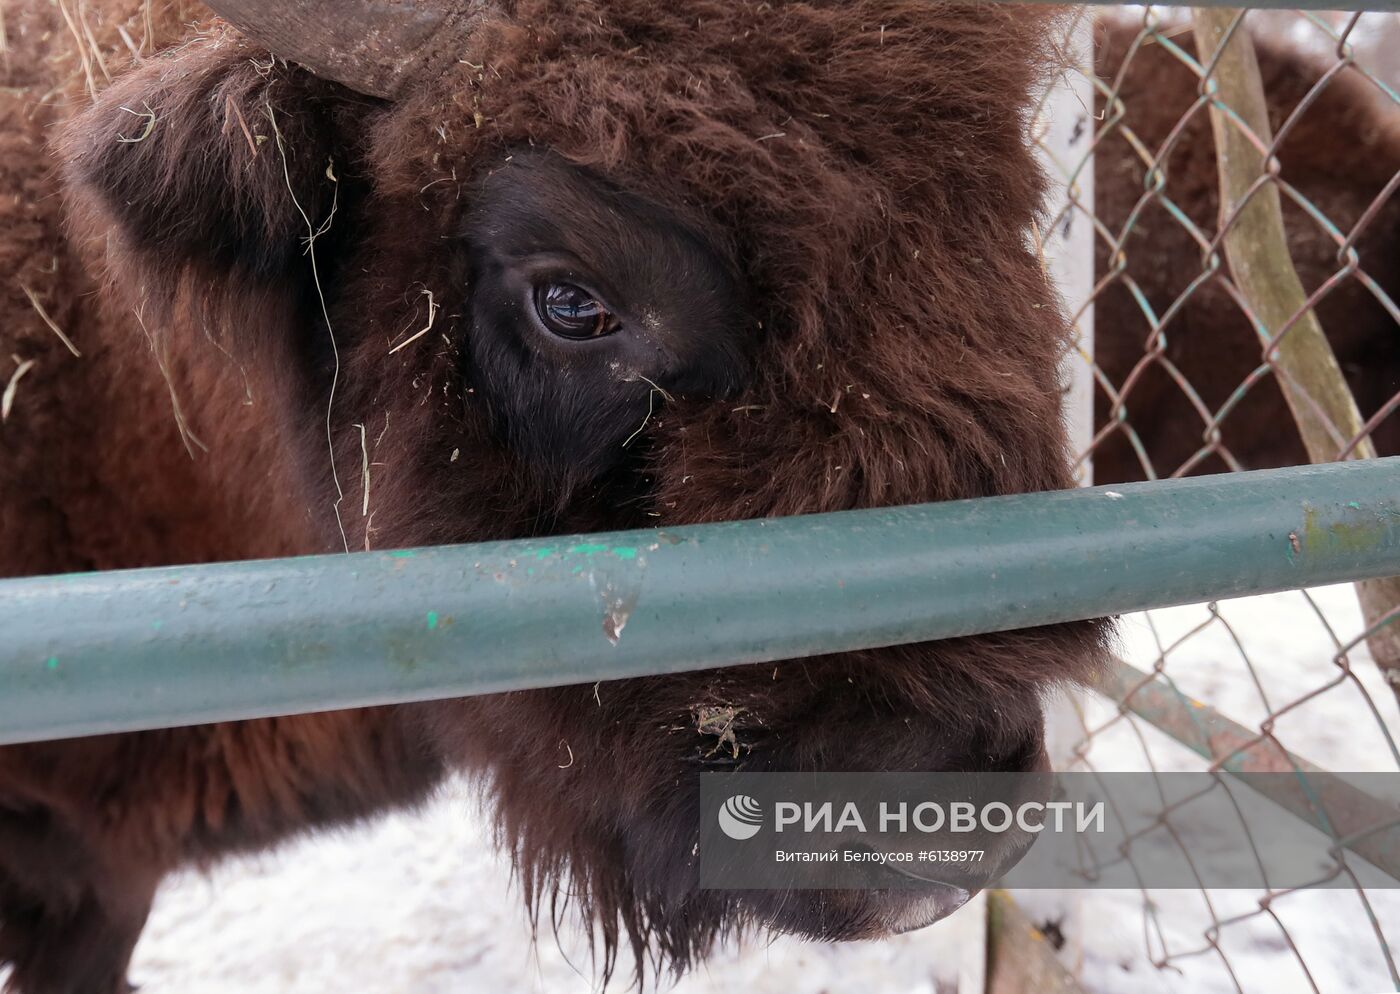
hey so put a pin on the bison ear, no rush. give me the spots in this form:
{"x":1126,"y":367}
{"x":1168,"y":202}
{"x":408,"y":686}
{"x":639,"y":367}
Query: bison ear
{"x":214,"y":161}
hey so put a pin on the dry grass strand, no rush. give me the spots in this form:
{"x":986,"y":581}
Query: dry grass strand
{"x":53,"y":325}
{"x":7,"y":399}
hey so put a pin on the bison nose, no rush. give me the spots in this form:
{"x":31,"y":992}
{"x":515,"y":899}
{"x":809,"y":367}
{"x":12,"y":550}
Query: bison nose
{"x":916,"y":910}
{"x":929,"y":900}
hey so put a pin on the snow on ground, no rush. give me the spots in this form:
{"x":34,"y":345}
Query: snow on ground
{"x":420,"y":903}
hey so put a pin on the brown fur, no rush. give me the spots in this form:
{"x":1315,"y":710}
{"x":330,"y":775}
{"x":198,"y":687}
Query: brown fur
{"x":864,"y":169}
{"x":1340,"y":153}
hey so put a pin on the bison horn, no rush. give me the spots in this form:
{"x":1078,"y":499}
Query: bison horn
{"x":377,"y":47}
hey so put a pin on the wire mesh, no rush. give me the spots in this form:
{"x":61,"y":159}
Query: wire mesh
{"x":1191,"y":373}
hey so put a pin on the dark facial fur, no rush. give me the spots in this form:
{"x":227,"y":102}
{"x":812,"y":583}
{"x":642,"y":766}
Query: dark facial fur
{"x":572,"y":408}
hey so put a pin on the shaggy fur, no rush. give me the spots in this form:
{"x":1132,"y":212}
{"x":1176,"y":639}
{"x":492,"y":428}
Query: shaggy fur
{"x":1340,"y":154}
{"x":245,"y":244}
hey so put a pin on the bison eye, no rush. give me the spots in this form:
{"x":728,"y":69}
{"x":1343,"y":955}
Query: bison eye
{"x":570,"y":311}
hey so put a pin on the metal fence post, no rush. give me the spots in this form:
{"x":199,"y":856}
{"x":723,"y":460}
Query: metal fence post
{"x":1064,"y":130}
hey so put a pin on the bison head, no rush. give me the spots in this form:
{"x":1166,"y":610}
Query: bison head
{"x":562,"y":266}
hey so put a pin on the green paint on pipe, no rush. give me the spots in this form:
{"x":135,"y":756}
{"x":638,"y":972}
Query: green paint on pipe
{"x":593,"y":548}
{"x":51,"y":662}
{"x":432,"y":621}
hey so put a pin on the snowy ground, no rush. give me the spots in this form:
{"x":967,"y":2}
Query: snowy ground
{"x":419,"y":903}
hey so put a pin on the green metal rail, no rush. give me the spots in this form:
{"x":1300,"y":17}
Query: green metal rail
{"x":100,"y":652}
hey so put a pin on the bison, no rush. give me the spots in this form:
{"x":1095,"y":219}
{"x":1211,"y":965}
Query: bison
{"x":333,"y":277}
{"x":390,"y":275}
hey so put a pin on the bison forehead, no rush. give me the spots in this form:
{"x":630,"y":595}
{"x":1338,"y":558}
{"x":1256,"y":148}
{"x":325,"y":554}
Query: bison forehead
{"x":767,"y":119}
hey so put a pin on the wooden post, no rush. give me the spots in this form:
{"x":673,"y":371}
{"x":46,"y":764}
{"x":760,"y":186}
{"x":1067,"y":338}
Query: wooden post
{"x":1256,"y":248}
{"x":1020,"y":959}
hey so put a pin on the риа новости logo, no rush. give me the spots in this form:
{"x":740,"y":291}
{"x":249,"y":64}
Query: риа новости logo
{"x":740,"y":817}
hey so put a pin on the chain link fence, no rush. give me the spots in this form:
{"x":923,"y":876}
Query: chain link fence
{"x":1236,"y":177}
